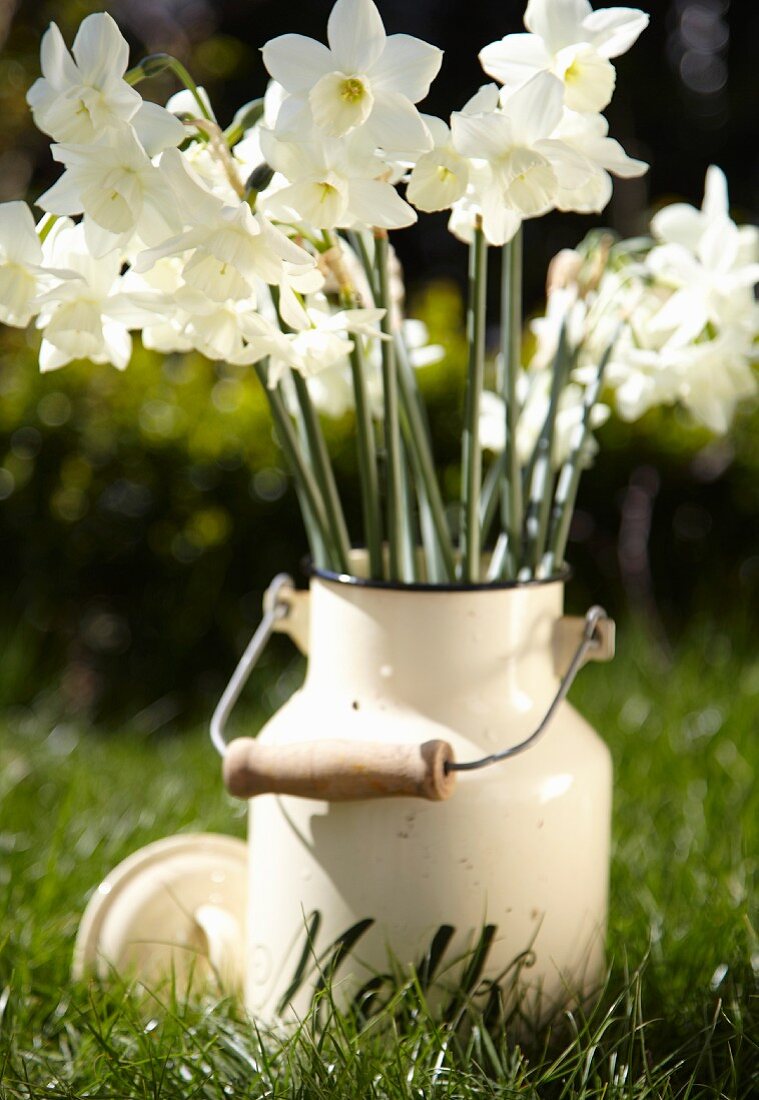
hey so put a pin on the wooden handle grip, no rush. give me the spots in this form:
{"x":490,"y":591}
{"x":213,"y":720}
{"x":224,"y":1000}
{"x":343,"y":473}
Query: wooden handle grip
{"x":339,"y":771}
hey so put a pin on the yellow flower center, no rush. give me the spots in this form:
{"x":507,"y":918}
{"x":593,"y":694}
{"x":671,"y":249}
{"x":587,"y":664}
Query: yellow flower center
{"x":327,"y":191}
{"x":443,"y":173}
{"x":352,"y":90}
{"x":573,"y":73}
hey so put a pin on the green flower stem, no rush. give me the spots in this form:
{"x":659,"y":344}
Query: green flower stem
{"x":471,"y":455}
{"x":436,"y":535}
{"x":511,"y":355}
{"x":324,"y":473}
{"x":367,"y":462}
{"x":422,"y":460}
{"x":569,"y":477}
{"x":309,"y":492}
{"x":159,"y":62}
{"x":538,"y":508}
{"x":491,"y":489}
{"x":44,"y":232}
{"x":435,"y":532}
{"x":365,"y":437}
{"x":360,"y":246}
{"x":392,"y":416}
{"x":409,"y":540}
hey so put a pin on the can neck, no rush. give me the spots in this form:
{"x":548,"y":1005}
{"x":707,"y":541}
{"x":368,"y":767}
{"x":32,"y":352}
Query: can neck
{"x":420,"y":647}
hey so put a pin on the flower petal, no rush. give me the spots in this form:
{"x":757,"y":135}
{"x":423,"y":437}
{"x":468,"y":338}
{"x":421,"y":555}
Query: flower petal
{"x":64,"y":197}
{"x":157,"y":129}
{"x":323,"y":205}
{"x":407,"y":65}
{"x":482,"y":136}
{"x":614,"y":30}
{"x":484,"y":100}
{"x":588,"y":77}
{"x":356,"y":34}
{"x":558,"y":22}
{"x":716,"y":203}
{"x":18,"y":233}
{"x":297,"y":62}
{"x":373,"y":203}
{"x":57,"y":64}
{"x":535,"y":108}
{"x":515,"y":58}
{"x":339,"y":103}
{"x":100,"y":49}
{"x":678,"y":223}
{"x":396,"y":125}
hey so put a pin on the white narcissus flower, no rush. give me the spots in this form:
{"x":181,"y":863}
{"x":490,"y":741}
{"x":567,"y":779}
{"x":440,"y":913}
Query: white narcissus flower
{"x":332,"y":184}
{"x":364,"y":79}
{"x":228,"y":248}
{"x":324,"y":343}
{"x":77,"y":98}
{"x":116,"y":186}
{"x":165,"y":332}
{"x":440,"y":177}
{"x":716,"y":375}
{"x":218,"y":329}
{"x":20,"y":264}
{"x":588,"y":135}
{"x":88,"y":315}
{"x":711,"y":265}
{"x":573,"y":42}
{"x":523,"y":160}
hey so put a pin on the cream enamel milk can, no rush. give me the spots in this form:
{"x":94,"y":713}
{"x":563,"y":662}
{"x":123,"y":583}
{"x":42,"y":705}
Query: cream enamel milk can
{"x":511,"y":860}
{"x":427,"y":798}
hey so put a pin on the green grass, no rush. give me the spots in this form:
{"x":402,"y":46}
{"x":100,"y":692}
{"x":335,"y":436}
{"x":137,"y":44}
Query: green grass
{"x":679,"y":1016}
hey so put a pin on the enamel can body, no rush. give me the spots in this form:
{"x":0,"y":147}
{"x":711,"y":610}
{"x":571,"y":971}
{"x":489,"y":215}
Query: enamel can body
{"x":504,"y":886}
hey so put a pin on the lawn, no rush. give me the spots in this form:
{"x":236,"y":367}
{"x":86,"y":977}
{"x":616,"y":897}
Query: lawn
{"x":679,"y":1016}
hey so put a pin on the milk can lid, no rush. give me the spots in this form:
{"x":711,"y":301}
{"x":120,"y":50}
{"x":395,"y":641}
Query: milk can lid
{"x":175,"y":910}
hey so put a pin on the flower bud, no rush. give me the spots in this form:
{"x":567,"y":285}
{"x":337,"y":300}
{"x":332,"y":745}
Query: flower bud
{"x":153,"y":65}
{"x":248,"y":115}
{"x":259,"y":179}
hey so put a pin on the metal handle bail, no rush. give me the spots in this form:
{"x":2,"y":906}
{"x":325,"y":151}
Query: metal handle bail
{"x":589,"y":640}
{"x":276,"y":607}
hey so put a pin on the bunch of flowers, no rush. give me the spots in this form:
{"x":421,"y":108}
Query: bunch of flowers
{"x":265,"y":243}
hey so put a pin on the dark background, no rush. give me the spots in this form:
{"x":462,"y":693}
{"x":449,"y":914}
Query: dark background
{"x":141,"y":516}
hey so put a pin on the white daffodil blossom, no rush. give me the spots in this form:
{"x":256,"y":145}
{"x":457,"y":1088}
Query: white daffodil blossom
{"x":218,"y":329}
{"x":533,"y":395}
{"x":228,"y":247}
{"x":77,"y":99}
{"x":523,"y":162}
{"x":440,"y":177}
{"x":711,"y":286}
{"x":87,"y":316}
{"x":716,"y":375}
{"x":333,"y":184}
{"x":165,"y":331}
{"x":588,"y":135}
{"x":681,"y":223}
{"x":363,"y":79}
{"x":20,"y":264}
{"x":709,"y":377}
{"x":711,"y":264}
{"x":570,"y":40}
{"x":116,"y":186}
{"x":325,"y":342}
